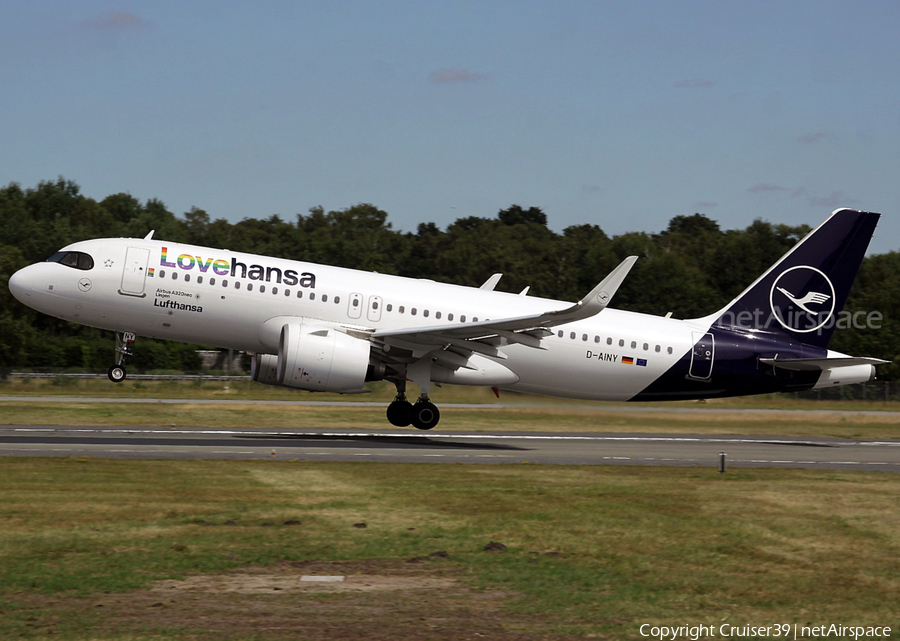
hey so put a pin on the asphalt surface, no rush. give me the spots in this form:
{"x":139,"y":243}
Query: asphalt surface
{"x":449,"y":447}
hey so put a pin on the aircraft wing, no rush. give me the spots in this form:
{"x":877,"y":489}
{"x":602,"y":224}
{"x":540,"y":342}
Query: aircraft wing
{"x":484,"y":337}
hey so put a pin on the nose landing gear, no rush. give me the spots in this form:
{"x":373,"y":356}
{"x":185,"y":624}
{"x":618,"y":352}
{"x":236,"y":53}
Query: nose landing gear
{"x":124,"y":348}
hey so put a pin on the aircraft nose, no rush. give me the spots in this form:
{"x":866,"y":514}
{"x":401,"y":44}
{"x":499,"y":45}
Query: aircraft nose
{"x":20,"y":285}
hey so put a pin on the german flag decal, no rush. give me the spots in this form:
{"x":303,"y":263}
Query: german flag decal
{"x":627,"y":360}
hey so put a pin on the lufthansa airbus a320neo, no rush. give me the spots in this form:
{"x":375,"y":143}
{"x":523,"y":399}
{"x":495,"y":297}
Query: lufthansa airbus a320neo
{"x":322,"y":328}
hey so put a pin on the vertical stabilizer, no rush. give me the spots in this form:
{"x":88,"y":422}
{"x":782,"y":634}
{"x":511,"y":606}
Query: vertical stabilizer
{"x":802,"y":294}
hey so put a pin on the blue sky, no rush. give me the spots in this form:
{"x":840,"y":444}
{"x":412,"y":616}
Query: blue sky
{"x":620,"y":114}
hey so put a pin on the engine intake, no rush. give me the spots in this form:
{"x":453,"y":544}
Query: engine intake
{"x":314,"y":358}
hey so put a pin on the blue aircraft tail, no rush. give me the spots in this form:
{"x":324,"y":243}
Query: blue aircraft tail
{"x":802,"y":294}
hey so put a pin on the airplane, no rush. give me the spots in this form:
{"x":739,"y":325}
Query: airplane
{"x":329,"y":329}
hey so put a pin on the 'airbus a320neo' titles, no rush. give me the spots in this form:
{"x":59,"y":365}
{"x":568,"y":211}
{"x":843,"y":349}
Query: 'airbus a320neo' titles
{"x":322,"y":328}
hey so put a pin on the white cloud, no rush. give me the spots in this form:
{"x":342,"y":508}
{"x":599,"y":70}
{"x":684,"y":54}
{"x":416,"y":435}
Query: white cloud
{"x":695,"y":83}
{"x":834,"y":200}
{"x":765,"y":187}
{"x":812,"y":137}
{"x":116,"y":20}
{"x":456,"y":75}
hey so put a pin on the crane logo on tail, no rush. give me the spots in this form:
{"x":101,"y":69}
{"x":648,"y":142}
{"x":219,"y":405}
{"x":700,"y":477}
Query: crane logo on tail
{"x":812,"y":297}
{"x":802,"y":299}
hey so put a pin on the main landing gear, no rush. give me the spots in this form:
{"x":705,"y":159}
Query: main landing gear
{"x":124,"y":348}
{"x":422,"y":415}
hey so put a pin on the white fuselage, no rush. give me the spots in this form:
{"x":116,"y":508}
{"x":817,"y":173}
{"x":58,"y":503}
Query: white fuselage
{"x":223,"y":298}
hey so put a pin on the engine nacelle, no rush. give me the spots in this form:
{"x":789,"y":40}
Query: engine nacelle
{"x":264,"y":368}
{"x":321,"y":359}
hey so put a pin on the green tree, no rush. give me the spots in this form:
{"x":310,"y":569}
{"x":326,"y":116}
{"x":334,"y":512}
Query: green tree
{"x":197,"y":223}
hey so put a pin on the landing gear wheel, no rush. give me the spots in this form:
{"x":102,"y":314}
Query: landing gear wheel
{"x":124,"y":348}
{"x":425,"y":415}
{"x":117,"y":373}
{"x":399,"y":413}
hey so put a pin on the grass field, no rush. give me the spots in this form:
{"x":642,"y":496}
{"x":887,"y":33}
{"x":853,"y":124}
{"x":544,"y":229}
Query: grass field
{"x":381,"y":392}
{"x":120,"y":550}
{"x":102,"y":549}
{"x":770,"y":415}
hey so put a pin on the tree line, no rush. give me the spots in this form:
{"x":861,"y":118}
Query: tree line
{"x":691,"y":268}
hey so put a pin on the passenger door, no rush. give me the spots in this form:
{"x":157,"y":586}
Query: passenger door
{"x":134,"y":273}
{"x":702,"y":356}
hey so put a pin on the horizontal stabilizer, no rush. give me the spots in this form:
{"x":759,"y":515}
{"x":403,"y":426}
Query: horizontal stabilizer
{"x":819,"y":364}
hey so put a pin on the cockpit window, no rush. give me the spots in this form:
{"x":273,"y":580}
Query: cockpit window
{"x":78,"y":260}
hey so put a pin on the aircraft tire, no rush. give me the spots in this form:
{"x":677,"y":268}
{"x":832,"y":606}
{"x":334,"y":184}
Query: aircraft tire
{"x":116,"y":373}
{"x":399,"y":413}
{"x":425,"y":415}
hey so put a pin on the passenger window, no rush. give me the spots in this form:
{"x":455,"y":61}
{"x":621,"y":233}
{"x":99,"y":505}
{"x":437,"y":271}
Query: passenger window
{"x":413,"y":311}
{"x":669,"y":350}
{"x":287,"y":292}
{"x":450,"y":317}
{"x":237,"y":284}
{"x":187,"y":278}
{"x":657,"y":348}
{"x":274,"y":290}
{"x":425,"y":313}
{"x":621,"y":342}
{"x":390,"y":307}
{"x":474,"y":319}
{"x":584,"y":337}
{"x":162,"y":274}
{"x":633,"y":344}
{"x":212,"y":281}
{"x":402,"y":309}
{"x":437,"y":315}
{"x":224,"y":283}
{"x":249,"y":287}
{"x":324,"y":298}
{"x":262,"y":289}
{"x":609,"y":340}
{"x":199,"y":280}
{"x":646,"y":347}
{"x":596,"y":339}
{"x":312,"y":296}
{"x":572,"y":335}
{"x":174,"y":275}
{"x":337,"y":299}
{"x":462,"y":319}
{"x":299,"y":293}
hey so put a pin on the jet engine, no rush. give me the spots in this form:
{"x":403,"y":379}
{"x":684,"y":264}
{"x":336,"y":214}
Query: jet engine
{"x":314,"y":358}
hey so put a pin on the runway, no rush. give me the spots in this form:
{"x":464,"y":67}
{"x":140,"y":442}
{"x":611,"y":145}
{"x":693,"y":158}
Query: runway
{"x":449,"y":447}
